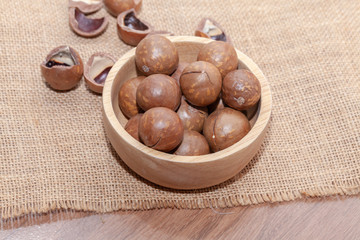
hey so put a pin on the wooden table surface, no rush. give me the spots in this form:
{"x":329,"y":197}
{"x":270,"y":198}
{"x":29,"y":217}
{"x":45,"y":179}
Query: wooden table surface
{"x":317,"y":218}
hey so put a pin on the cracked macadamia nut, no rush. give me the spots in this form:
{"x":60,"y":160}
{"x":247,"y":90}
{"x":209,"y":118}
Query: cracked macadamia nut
{"x":115,"y":7}
{"x":224,"y":128}
{"x":97,"y":69}
{"x":161,"y":129}
{"x":62,"y":68}
{"x":221,"y":54}
{"x":156,"y":54}
{"x":132,"y":126}
{"x":241,"y":89}
{"x":127,"y":96}
{"x":200,"y":83}
{"x":84,"y":26}
{"x":192,"y":117}
{"x":158,"y":90}
{"x":193,"y":144}
{"x":130,"y":29}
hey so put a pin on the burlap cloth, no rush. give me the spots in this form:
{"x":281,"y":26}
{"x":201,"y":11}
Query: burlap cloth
{"x":53,"y":149}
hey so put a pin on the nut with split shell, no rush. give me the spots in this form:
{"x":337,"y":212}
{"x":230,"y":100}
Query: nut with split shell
{"x":97,"y":69}
{"x":62,"y":68}
{"x":200,"y":83}
{"x":115,"y":7}
{"x":86,"y":6}
{"x":84,"y":26}
{"x":131,"y":29}
{"x":161,"y":129}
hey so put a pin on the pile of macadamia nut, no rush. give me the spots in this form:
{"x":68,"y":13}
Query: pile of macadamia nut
{"x":192,"y":108}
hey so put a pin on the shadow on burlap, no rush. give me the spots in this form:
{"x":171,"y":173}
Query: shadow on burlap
{"x":53,"y":150}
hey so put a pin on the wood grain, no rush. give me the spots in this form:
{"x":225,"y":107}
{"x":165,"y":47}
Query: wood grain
{"x":319,"y":218}
{"x":181,"y":172}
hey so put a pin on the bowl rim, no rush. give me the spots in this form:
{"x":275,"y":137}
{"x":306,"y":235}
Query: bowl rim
{"x":260,"y":125}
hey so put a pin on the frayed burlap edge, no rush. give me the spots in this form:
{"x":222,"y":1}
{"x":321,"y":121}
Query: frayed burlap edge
{"x":350,"y":187}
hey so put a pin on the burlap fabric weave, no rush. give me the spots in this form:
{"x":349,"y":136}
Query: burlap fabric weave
{"x":53,"y":149}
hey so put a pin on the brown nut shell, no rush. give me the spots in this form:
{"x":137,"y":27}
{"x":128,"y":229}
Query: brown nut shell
{"x":84,"y":26}
{"x":156,"y":54}
{"x":192,"y":117}
{"x":62,"y":68}
{"x":115,"y":7}
{"x":224,"y":128}
{"x":158,"y":90}
{"x":200,"y":83}
{"x":97,"y":69}
{"x":161,"y":129}
{"x":132,"y":126}
{"x":86,"y":6}
{"x":127,"y":96}
{"x":131,"y":29}
{"x":177,"y":74}
{"x":251,"y":114}
{"x":241,"y":89}
{"x":209,"y":28}
{"x":193,"y":144}
{"x":221,"y":54}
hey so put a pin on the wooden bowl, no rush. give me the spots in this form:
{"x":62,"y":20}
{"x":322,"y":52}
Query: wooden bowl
{"x":181,"y":172}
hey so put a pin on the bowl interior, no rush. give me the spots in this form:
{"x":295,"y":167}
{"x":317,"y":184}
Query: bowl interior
{"x":188,"y":49}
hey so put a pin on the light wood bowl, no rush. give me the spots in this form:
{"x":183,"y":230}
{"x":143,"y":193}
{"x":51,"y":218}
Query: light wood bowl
{"x":181,"y":172}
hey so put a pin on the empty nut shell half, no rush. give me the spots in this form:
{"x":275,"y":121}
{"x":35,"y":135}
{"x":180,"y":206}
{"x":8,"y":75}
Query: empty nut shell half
{"x":84,"y":26}
{"x":62,"y":68}
{"x":115,"y":7}
{"x":131,"y":29}
{"x":97,"y":69}
{"x":86,"y":6}
{"x":193,"y":144}
{"x":209,"y":28}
